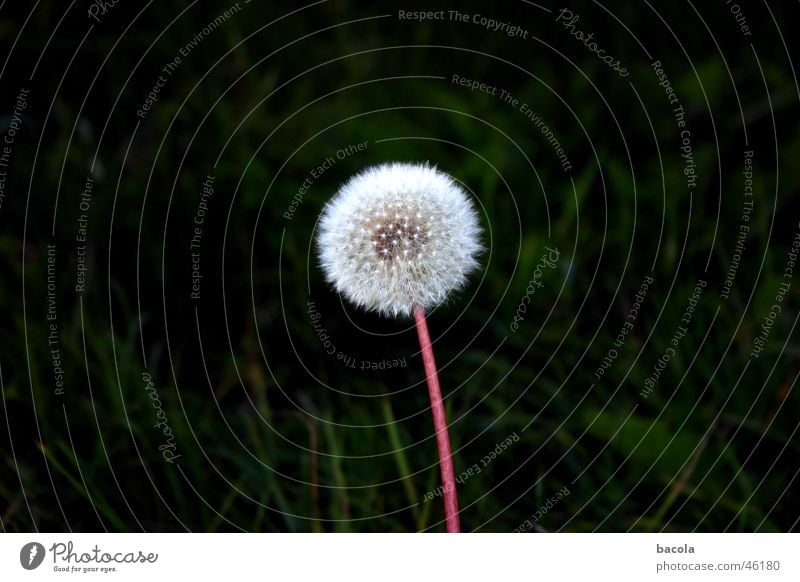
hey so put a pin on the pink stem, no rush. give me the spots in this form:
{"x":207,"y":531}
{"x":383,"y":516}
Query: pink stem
{"x":439,"y":423}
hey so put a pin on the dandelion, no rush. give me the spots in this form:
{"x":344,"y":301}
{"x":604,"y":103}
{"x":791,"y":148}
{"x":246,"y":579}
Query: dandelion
{"x":397,"y":239}
{"x":398,"y":236}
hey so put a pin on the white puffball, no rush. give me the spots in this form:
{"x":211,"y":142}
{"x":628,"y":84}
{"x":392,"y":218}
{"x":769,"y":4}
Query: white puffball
{"x":399,"y":235}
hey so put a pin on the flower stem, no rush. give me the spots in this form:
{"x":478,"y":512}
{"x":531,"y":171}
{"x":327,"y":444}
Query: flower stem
{"x":439,"y":423}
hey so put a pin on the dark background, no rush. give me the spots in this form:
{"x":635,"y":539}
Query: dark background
{"x":273,"y":433}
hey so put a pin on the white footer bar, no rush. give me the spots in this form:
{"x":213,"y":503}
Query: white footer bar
{"x":406,"y":557}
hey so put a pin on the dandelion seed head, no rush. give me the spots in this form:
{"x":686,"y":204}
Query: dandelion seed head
{"x":399,"y":235}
